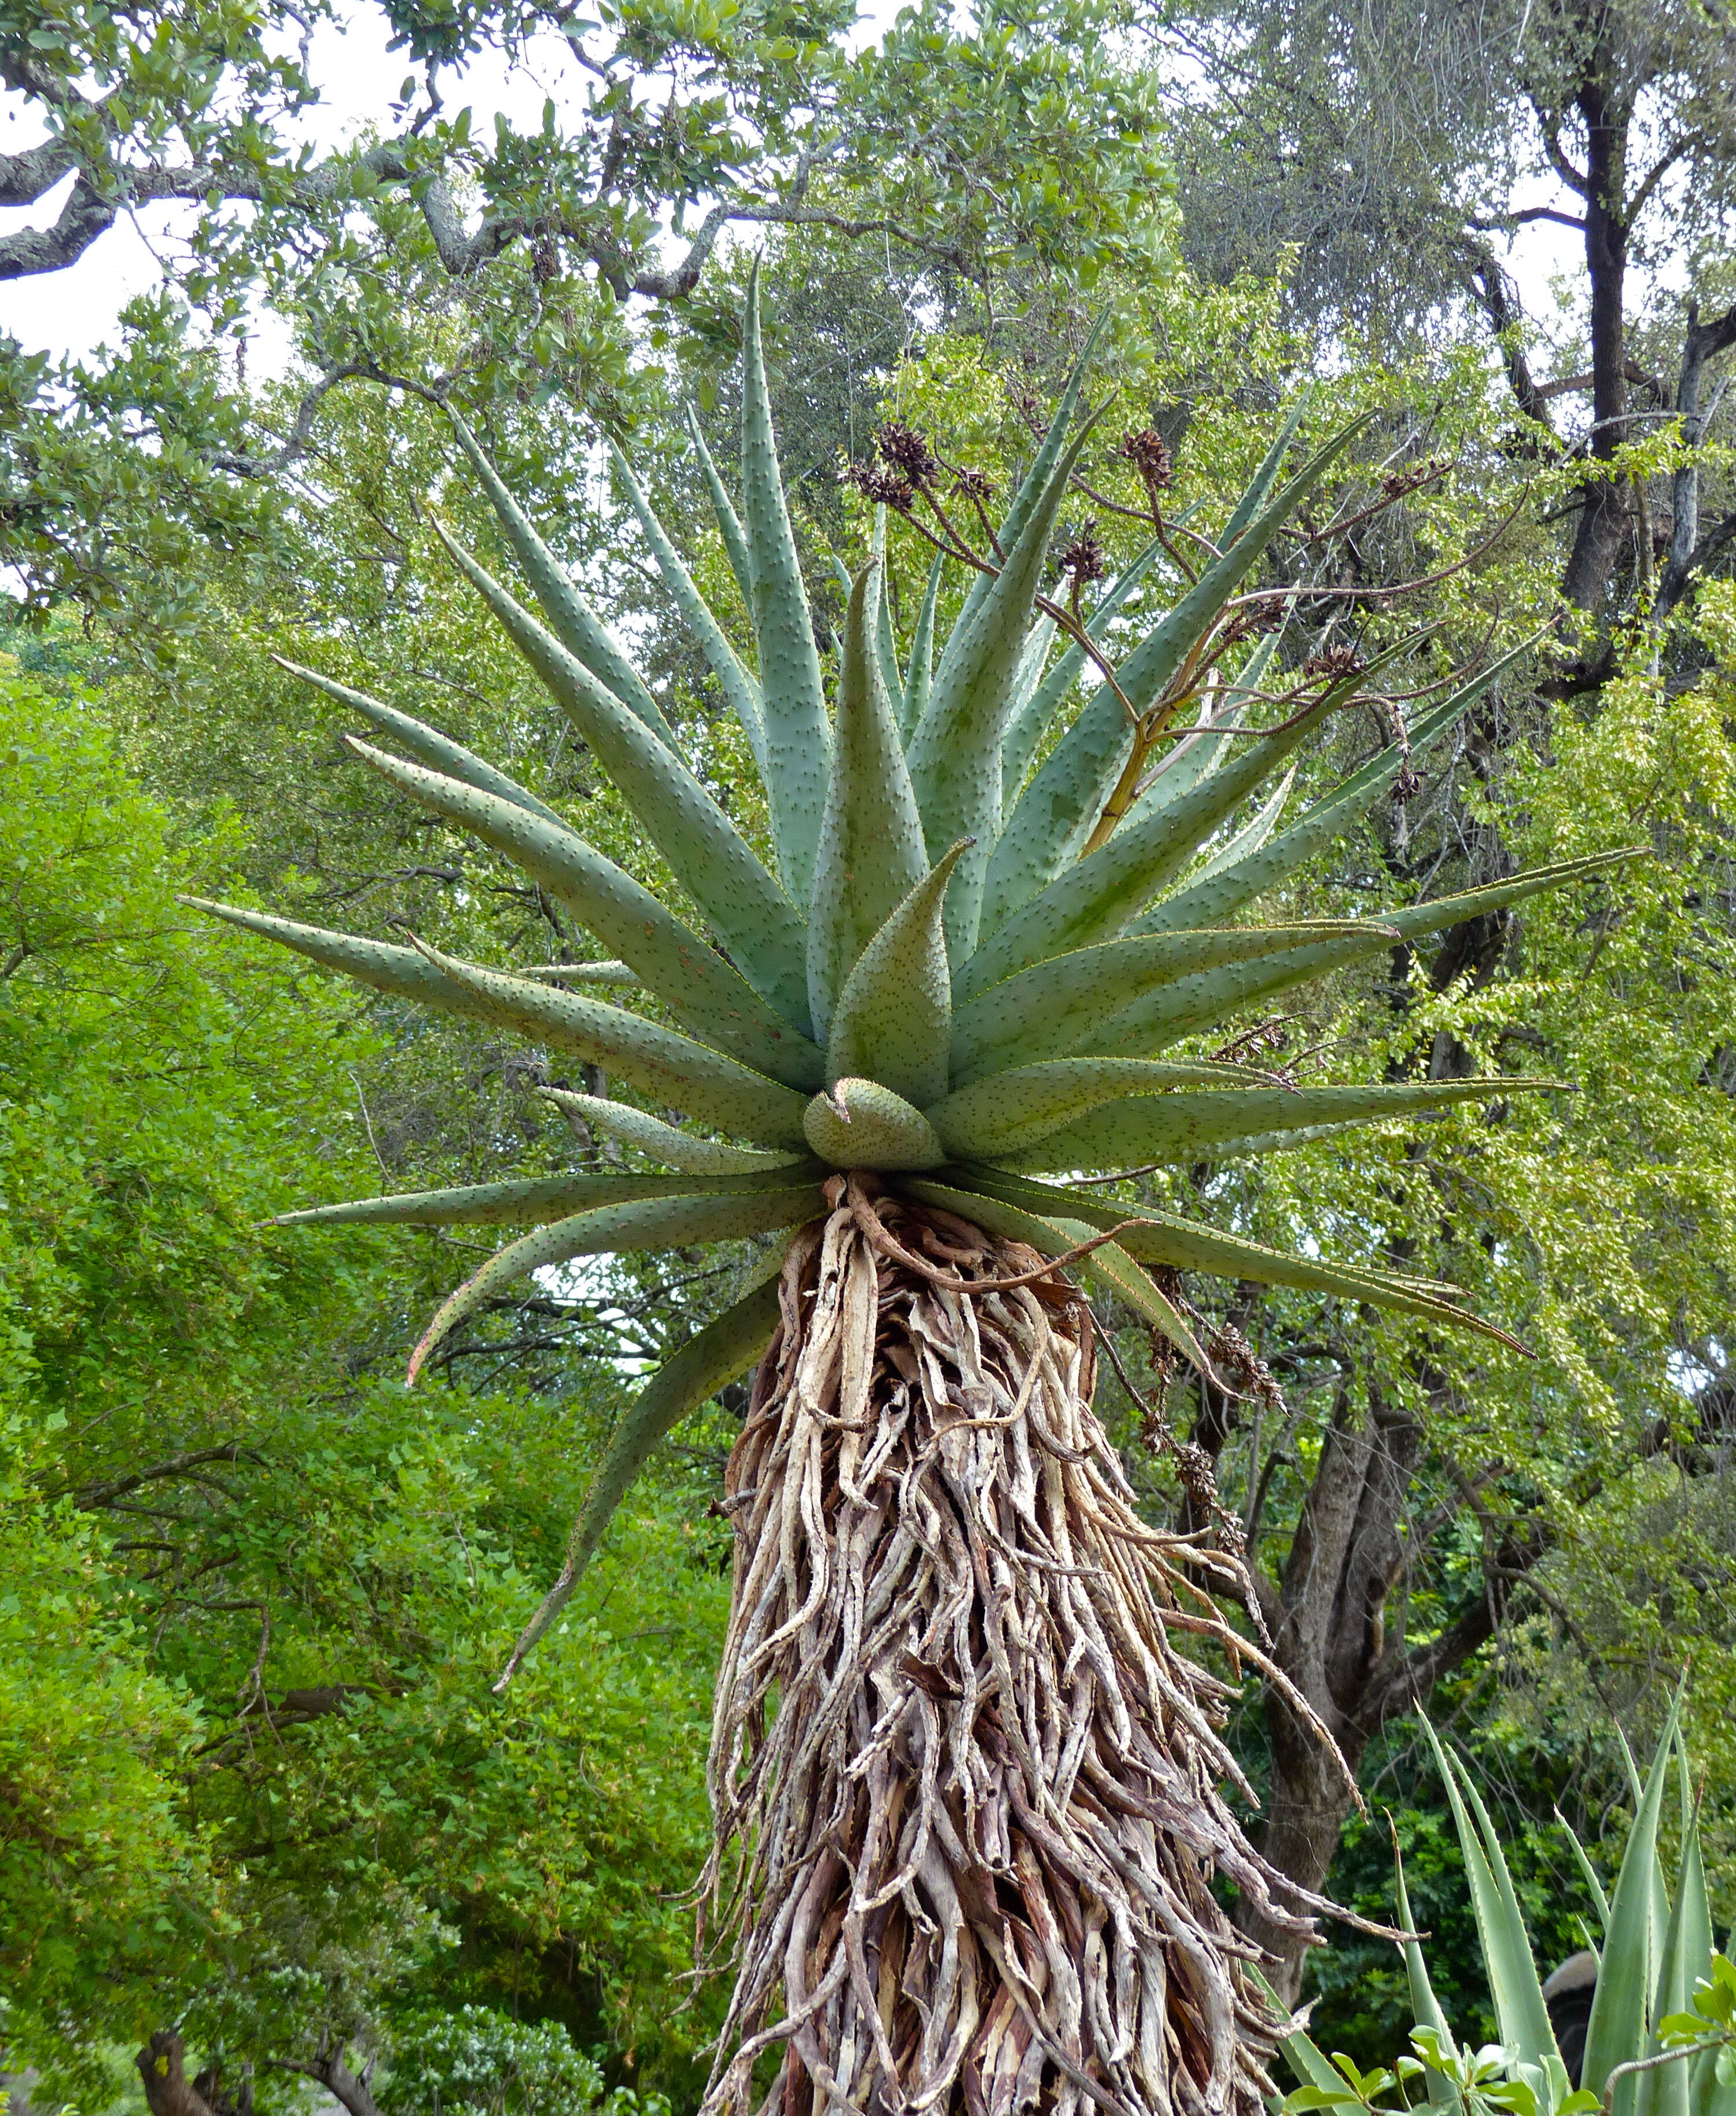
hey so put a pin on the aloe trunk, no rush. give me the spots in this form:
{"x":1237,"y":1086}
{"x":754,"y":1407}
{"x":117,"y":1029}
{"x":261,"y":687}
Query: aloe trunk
{"x":964,"y":1775}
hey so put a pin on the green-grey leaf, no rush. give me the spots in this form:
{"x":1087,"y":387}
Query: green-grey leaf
{"x":1117,"y":1271}
{"x":663,"y":1142}
{"x":1059,"y":809}
{"x":1025,"y":719}
{"x":863,"y":1124}
{"x":792,"y":694}
{"x":956,"y":751}
{"x":870,"y":854}
{"x":739,"y":688}
{"x":672,"y":1068}
{"x":529,"y":1202}
{"x":1059,"y":1008}
{"x":1174,"y":1127}
{"x":574,"y":624}
{"x":710,"y":1358}
{"x":1587,"y":1872}
{"x":425,"y":744}
{"x":729,"y":523}
{"x":654,"y":1223}
{"x":1425,"y":2006}
{"x":758,"y":923}
{"x":885,"y":646}
{"x":668,"y":957}
{"x":894,"y":1021}
{"x":919,"y":673}
{"x":1015,"y":1109}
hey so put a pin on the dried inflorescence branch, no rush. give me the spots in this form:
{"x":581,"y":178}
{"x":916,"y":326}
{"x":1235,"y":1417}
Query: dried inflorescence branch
{"x":965,"y":1784}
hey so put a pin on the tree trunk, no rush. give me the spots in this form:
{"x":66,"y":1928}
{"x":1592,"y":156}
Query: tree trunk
{"x":1604,"y":520}
{"x":963,"y":1784}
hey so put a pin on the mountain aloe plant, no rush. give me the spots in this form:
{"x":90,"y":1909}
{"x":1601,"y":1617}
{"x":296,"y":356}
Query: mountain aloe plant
{"x":964,"y":1779}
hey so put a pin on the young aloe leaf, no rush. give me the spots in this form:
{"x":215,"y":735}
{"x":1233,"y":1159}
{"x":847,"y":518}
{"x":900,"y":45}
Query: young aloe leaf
{"x":1186,"y":1245}
{"x":863,"y":1124}
{"x":1209,"y":899}
{"x":1617,"y":2030}
{"x":574,"y":624}
{"x":1055,"y":1009}
{"x":530,"y":1202}
{"x":663,"y":1142}
{"x":1423,"y":2004}
{"x":756,"y":920}
{"x":870,"y":854}
{"x":1686,"y":1957}
{"x":674,"y":1069}
{"x":1588,"y":1872}
{"x":919,"y":671}
{"x":886,"y":645}
{"x":729,"y":523}
{"x":1139,"y":1128}
{"x":1694,"y":1901}
{"x":1017,"y":1108}
{"x":1057,"y":811}
{"x":1521,"y":2010}
{"x":798,"y":740}
{"x":956,"y":751}
{"x":709,"y":1360}
{"x":739,"y":688}
{"x":668,"y":957}
{"x":1255,"y":832}
{"x":428,"y":745}
{"x":894,"y":1019}
{"x":655,"y":1223}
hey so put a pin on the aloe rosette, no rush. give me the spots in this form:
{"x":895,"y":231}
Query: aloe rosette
{"x":965,"y":1782}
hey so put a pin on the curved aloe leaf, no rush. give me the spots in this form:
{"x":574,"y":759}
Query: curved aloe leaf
{"x":710,"y":1358}
{"x":1255,"y":832}
{"x":531,"y":1201}
{"x":1686,"y":1958}
{"x":729,"y":523}
{"x":388,"y":967}
{"x":894,"y":1022}
{"x":1111,"y":1266}
{"x":863,"y":1124}
{"x":667,"y":1222}
{"x":1426,"y":2007}
{"x":1027,"y":731}
{"x":885,"y":646}
{"x":739,"y":688}
{"x":1059,"y":809}
{"x":666,"y":956}
{"x":1587,"y":1871}
{"x":574,"y":624}
{"x":919,"y":671}
{"x":1053,"y":1010}
{"x":1017,"y":1108}
{"x":426,"y":745}
{"x":1186,"y":1246}
{"x":793,"y":698}
{"x":870,"y":855}
{"x":955,"y":752}
{"x":1023,"y":724}
{"x":673,"y":1068}
{"x":1208,"y":899}
{"x":663,"y":1142}
{"x":1181,"y":1127}
{"x":758,"y":923}
{"x":1521,"y":2012}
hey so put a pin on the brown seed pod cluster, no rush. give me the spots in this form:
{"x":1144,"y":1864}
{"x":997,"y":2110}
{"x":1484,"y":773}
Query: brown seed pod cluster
{"x":965,"y":1782}
{"x":1083,"y":558}
{"x":1149,"y":452}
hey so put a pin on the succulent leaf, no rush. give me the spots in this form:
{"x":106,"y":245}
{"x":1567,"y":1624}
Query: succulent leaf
{"x":574,"y":624}
{"x":870,"y":855}
{"x":894,"y":1018}
{"x":663,"y":1142}
{"x":739,"y":688}
{"x":1058,"y":1008}
{"x":668,"y":957}
{"x":1442,"y":2095}
{"x":676,"y":1069}
{"x":530,"y":1202}
{"x":425,"y":744}
{"x":388,"y":967}
{"x":1192,"y":755}
{"x":864,"y":1124}
{"x":758,"y":923}
{"x":1178,"y":1127}
{"x":711,"y":1357}
{"x":1025,"y":721}
{"x":652,"y":1223}
{"x":1059,"y":809}
{"x":919,"y":672}
{"x":1015,"y":1109}
{"x":886,"y":645}
{"x":798,"y":740}
{"x":955,"y":750}
{"x":1122,"y":1278}
{"x":729,"y":523}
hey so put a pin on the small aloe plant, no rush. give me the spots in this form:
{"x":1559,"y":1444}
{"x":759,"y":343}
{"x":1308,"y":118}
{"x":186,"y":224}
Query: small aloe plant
{"x":965,"y":1777}
{"x":1661,"y":2039}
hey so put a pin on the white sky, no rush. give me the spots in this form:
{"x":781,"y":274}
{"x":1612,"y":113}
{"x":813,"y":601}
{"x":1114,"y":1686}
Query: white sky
{"x":75,"y":310}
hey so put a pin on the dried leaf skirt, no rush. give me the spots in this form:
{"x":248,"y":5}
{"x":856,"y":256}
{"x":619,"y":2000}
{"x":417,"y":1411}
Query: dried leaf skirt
{"x":965,"y":1787}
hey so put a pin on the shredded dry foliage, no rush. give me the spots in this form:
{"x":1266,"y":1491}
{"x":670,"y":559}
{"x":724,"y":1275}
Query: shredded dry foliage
{"x":964,"y":1786}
